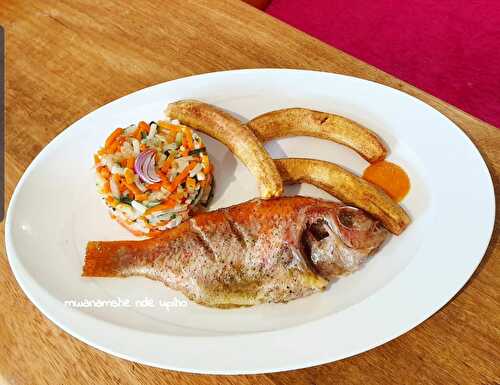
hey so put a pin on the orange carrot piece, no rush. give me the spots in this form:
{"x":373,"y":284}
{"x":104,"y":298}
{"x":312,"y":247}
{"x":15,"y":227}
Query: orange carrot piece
{"x":208,"y":168}
{"x":190,"y":183}
{"x":133,"y":188}
{"x":106,"y":189}
{"x":112,"y":148}
{"x":96,"y":159}
{"x":141,"y":127}
{"x":170,"y":126}
{"x":169,"y":203}
{"x":138,"y":194}
{"x":112,"y":201}
{"x":188,"y":138}
{"x":111,"y":138}
{"x":154,"y":186}
{"x":129,"y":175}
{"x":204,"y":160}
{"x":123,"y":162}
{"x":130,"y":163}
{"x":140,"y":197}
{"x":168,"y":162}
{"x":105,"y":172}
{"x":183,"y":175}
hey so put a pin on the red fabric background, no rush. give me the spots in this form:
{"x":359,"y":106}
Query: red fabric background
{"x":449,"y":48}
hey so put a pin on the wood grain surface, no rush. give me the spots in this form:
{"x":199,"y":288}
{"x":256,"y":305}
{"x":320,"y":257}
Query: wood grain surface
{"x":66,"y":58}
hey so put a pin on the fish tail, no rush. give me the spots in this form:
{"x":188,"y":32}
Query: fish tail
{"x":103,"y":259}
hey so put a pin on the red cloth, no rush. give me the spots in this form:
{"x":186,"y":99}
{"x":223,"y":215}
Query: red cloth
{"x":449,"y":48}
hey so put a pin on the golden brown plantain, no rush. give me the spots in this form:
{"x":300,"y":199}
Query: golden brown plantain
{"x":240,"y":140}
{"x":304,"y":122}
{"x":347,"y":187}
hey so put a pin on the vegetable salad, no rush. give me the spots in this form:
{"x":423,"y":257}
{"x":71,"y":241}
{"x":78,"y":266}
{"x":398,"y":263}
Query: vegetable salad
{"x":153,"y":175}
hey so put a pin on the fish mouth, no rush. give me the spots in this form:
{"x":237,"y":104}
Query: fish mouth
{"x":336,"y":245}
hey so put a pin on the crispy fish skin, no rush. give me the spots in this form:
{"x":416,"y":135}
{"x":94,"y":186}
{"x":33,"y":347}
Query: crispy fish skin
{"x":347,"y":187}
{"x":305,"y":122}
{"x":236,"y":136}
{"x":250,"y":253}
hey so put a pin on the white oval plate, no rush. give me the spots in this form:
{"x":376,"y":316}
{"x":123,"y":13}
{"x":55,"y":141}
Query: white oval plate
{"x":55,"y":211}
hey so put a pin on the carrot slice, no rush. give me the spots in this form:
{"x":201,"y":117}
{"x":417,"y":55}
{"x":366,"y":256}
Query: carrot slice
{"x":141,"y":127}
{"x":112,"y":148}
{"x":154,"y":186}
{"x":170,"y":126}
{"x":138,"y":194}
{"x":169,"y":203}
{"x":188,"y":137}
{"x":183,"y":175}
{"x":190,"y":183}
{"x":129,"y":175}
{"x":130,"y":163}
{"x":112,"y":201}
{"x":168,"y":162}
{"x":208,"y":168}
{"x":141,"y":197}
{"x":111,"y":138}
{"x":105,"y":172}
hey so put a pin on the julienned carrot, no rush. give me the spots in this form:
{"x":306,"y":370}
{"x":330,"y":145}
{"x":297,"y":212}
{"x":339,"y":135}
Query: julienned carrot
{"x":97,"y":160}
{"x":170,"y":126}
{"x":129,"y":175}
{"x":179,"y":195}
{"x":112,"y":201}
{"x":115,"y":134}
{"x":207,"y":169}
{"x":187,"y":138}
{"x":133,"y":188}
{"x":169,"y":203}
{"x":140,"y":197}
{"x":123,"y":162}
{"x":105,"y":172}
{"x":168,"y":162}
{"x":141,"y":127}
{"x":106,"y":189}
{"x":162,"y":176}
{"x":130,"y":163}
{"x":204,"y":160}
{"x":138,"y":194}
{"x":154,"y":186}
{"x":122,"y":187}
{"x":112,"y":148}
{"x":183,"y":175}
{"x":190,"y":183}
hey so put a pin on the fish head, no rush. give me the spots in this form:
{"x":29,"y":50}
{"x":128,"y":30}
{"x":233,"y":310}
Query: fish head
{"x":338,"y":239}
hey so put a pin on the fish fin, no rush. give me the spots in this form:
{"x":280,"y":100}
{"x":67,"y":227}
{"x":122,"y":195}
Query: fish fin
{"x":101,"y":260}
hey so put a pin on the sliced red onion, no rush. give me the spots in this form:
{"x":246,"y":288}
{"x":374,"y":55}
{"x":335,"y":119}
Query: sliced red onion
{"x":144,"y":167}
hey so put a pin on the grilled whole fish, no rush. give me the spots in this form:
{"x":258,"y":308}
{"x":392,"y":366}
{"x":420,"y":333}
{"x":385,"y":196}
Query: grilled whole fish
{"x":260,"y":251}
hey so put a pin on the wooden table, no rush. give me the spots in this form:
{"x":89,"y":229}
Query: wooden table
{"x":66,"y":58}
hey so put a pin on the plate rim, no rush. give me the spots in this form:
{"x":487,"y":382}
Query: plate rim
{"x":27,"y":284}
